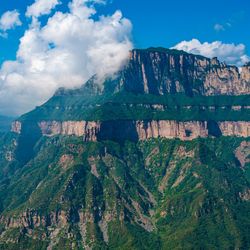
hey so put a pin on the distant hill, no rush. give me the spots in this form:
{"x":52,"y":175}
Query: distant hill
{"x":5,"y":123}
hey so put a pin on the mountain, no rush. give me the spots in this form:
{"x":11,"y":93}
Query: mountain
{"x":155,"y":157}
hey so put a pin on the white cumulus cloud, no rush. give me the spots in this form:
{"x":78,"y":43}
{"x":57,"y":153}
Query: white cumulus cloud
{"x":66,"y":52}
{"x":41,"y":7}
{"x":9,"y":20}
{"x":229,"y":52}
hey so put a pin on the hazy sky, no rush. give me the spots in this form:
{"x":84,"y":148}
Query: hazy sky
{"x":46,"y":44}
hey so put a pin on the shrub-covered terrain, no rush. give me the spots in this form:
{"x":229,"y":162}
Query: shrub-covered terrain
{"x":126,"y":106}
{"x":157,"y":194}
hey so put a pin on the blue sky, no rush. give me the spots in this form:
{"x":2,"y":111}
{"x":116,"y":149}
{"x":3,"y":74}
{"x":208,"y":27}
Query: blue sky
{"x":161,"y":22}
{"x":47,"y":44}
{"x":165,"y":23}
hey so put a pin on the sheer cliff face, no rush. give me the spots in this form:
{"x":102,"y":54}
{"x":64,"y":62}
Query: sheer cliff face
{"x":227,"y":80}
{"x":141,"y":130}
{"x":162,"y":72}
{"x":156,"y":72}
{"x":88,"y":130}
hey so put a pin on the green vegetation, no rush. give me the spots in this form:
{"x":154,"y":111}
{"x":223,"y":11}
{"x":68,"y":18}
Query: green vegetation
{"x":126,"y":106}
{"x":157,"y":194}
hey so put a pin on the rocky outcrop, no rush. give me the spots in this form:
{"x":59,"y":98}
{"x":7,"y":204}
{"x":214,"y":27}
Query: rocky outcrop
{"x":171,"y":129}
{"x":227,"y":80}
{"x":245,"y":196}
{"x":239,"y":129}
{"x":190,"y":130}
{"x":88,"y":130}
{"x":242,"y":153}
{"x":161,"y":71}
{"x":16,"y":127}
{"x":245,"y":73}
{"x":142,"y":130}
{"x":32,"y":219}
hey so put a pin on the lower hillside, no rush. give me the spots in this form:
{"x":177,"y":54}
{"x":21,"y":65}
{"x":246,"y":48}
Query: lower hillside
{"x":152,"y":194}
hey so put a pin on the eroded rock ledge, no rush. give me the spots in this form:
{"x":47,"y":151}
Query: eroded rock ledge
{"x":140,"y":130}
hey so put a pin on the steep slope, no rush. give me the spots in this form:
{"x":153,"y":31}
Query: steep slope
{"x":156,"y":157}
{"x":156,"y":194}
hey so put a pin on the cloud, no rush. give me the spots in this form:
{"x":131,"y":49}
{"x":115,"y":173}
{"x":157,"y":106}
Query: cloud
{"x":219,"y":27}
{"x":222,"y":27}
{"x":228,"y":52}
{"x":9,"y":20}
{"x":41,"y":7}
{"x":66,"y":52}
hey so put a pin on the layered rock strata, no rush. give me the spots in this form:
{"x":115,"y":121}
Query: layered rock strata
{"x":140,"y":130}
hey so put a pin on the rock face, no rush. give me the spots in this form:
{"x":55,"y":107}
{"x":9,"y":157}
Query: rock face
{"x":226,"y":80}
{"x":241,"y":129}
{"x":33,"y":219}
{"x":141,"y":130}
{"x":161,"y":71}
{"x":172,"y":129}
{"x":242,"y":153}
{"x":88,"y":130}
